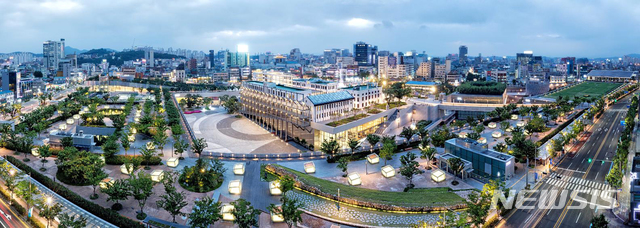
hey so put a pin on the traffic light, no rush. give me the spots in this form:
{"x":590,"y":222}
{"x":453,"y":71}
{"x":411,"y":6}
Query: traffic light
{"x":589,"y":160}
{"x":603,"y":162}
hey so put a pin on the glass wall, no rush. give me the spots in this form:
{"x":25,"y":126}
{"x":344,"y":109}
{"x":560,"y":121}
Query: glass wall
{"x":358,"y":133}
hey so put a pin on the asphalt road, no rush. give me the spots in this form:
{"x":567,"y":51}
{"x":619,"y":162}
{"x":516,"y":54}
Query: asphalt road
{"x":9,"y":218}
{"x":577,"y":173}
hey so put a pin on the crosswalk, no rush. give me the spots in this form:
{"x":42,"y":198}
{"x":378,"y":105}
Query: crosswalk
{"x":578,"y":184}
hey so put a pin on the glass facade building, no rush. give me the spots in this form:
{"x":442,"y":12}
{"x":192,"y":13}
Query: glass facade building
{"x":487,"y":163}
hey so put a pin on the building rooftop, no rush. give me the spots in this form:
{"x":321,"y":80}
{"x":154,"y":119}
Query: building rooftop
{"x":360,"y":87}
{"x":612,"y":73}
{"x":281,"y":87}
{"x":327,"y":98}
{"x":480,"y":148}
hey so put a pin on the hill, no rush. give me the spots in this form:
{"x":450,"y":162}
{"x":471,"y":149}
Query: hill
{"x":119,"y":58}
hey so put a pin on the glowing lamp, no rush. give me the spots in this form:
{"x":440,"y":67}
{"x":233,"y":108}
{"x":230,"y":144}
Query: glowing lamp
{"x":438,"y":176}
{"x":309,"y":167}
{"x":70,"y":121}
{"x":124,"y":170}
{"x":150,"y":146}
{"x":462,"y":135}
{"x":277,"y":217}
{"x":509,"y":129}
{"x":388,"y":171}
{"x":238,"y":169}
{"x":496,"y":134}
{"x":76,"y":117}
{"x":34,"y":152}
{"x":514,"y":117}
{"x":274,"y":188}
{"x":482,"y":140}
{"x":157,"y":175}
{"x":62,"y":127}
{"x":373,"y":158}
{"x":131,"y":138}
{"x":354,"y":179}
{"x":492,"y":125}
{"x":106,"y":182}
{"x":173,"y":162}
{"x":235,"y":187}
{"x":520,"y":124}
{"x":227,"y":212}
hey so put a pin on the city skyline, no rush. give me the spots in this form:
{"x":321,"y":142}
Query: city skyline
{"x":437,"y":28}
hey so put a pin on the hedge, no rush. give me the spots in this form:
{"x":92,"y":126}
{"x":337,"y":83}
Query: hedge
{"x":119,"y":160}
{"x":95,"y":209}
{"x":559,"y":128}
{"x":362,"y":154}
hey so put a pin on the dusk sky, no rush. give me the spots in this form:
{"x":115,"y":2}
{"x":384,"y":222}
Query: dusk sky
{"x":550,"y":28}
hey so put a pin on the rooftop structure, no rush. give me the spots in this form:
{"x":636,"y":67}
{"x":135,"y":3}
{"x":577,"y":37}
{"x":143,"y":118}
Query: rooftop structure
{"x":612,"y":75}
{"x":487,"y":163}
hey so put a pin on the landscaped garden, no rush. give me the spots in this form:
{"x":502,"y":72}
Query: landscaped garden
{"x":591,"y":89}
{"x":417,"y":199}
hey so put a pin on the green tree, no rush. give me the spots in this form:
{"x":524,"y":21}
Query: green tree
{"x":330,"y":147}
{"x":456,"y":165}
{"x":409,"y":167}
{"x":245,"y":214}
{"x":147,"y":154}
{"x":387,"y":151}
{"x":504,"y":125}
{"x":527,"y":151}
{"x":68,"y":221}
{"x":232,"y":104}
{"x":110,"y":147}
{"x":160,"y":139}
{"x":287,"y":184}
{"x":49,"y":211}
{"x":180,"y":146}
{"x":141,"y":190}
{"x":473,"y":135}
{"x":172,"y":201}
{"x":353,"y":144}
{"x":614,"y":178}
{"x":66,"y":142}
{"x":373,"y":139}
{"x":599,"y":221}
{"x":478,"y":206}
{"x":343,"y":164}
{"x":289,"y":209}
{"x":38,"y":74}
{"x":28,"y":192}
{"x":500,"y":147}
{"x":478,"y":129}
{"x":119,"y":190}
{"x":199,"y":145}
{"x":206,"y":212}
{"x":124,"y":140}
{"x":407,"y":133}
{"x":429,"y":154}
{"x":94,"y":177}
{"x":44,"y":153}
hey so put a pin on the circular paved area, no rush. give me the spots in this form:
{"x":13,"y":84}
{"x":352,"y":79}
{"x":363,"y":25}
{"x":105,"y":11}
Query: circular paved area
{"x":225,"y":126}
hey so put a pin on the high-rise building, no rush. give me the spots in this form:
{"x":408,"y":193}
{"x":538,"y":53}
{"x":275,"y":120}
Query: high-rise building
{"x":148,"y":55}
{"x":295,"y":55}
{"x":524,"y":58}
{"x":212,"y":58}
{"x":463,"y":53}
{"x":434,"y":63}
{"x":365,"y":54}
{"x":52,"y":52}
{"x":239,"y":58}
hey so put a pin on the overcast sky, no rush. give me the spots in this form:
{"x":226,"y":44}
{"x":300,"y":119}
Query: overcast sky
{"x":551,"y":28}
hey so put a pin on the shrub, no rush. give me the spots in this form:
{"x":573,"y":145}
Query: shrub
{"x":120,"y":159}
{"x":95,"y":209}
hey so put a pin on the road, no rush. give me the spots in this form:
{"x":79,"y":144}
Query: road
{"x":9,"y":218}
{"x":577,"y":173}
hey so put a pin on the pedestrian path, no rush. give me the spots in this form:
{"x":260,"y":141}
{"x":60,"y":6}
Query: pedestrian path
{"x":577,"y":184}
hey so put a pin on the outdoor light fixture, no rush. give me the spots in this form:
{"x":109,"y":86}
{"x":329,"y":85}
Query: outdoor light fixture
{"x":482,"y":140}
{"x":235,"y":187}
{"x":227,"y":212}
{"x":106,"y":182}
{"x":124,"y":170}
{"x":309,"y":167}
{"x":520,"y":124}
{"x":157,"y":175}
{"x":462,"y":135}
{"x":274,"y":188}
{"x":238,"y":169}
{"x":373,"y":159}
{"x":277,"y":217}
{"x":492,"y":125}
{"x":496,"y":134}
{"x":62,"y":127}
{"x":388,"y":171}
{"x":438,"y":176}
{"x":514,"y":117}
{"x":35,"y":152}
{"x":173,"y":162}
{"x":354,"y":179}
{"x":150,"y":146}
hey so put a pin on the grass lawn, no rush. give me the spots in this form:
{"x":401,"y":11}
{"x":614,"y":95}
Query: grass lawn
{"x":415,"y":197}
{"x":347,"y":120}
{"x":593,"y":89}
{"x":393,"y":104}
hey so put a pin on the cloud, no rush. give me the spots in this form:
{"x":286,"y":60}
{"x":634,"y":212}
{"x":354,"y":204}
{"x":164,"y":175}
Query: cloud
{"x":61,"y":6}
{"x":384,"y":24}
{"x":360,"y":23}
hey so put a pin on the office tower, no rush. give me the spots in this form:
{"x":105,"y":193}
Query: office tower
{"x":295,"y":55}
{"x":52,"y":52}
{"x":151,"y":58}
{"x":345,"y":52}
{"x":212,"y":58}
{"x":365,"y":54}
{"x":447,"y":67}
{"x":434,"y":64}
{"x":331,"y":55}
{"x":463,"y":54}
{"x":524,"y":58}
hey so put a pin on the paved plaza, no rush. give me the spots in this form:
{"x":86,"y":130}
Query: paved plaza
{"x":227,"y":133}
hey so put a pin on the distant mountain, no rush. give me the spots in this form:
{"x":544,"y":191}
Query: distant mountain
{"x":68,"y":50}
